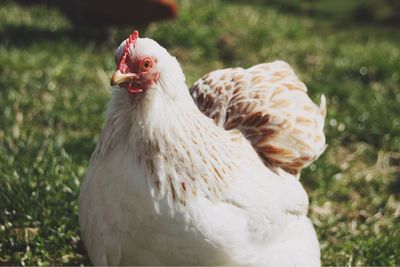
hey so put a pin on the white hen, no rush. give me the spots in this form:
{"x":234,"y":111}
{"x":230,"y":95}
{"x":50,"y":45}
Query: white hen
{"x":167,"y":185}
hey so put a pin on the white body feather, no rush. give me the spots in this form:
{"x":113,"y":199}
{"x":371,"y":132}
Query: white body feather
{"x":167,"y":186}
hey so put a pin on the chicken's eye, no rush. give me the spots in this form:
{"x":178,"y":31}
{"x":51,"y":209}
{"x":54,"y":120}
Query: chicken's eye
{"x":147,"y":64}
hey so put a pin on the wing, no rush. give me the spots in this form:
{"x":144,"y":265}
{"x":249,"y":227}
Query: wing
{"x":270,"y":106}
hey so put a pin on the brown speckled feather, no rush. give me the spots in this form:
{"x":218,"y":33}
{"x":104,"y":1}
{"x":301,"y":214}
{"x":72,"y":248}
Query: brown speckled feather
{"x":270,"y":106}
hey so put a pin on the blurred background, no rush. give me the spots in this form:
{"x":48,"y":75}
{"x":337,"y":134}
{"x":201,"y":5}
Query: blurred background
{"x":56,"y":60}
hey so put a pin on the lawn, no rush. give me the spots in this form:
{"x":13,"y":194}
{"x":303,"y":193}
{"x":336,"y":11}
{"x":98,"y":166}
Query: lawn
{"x":54,"y":88}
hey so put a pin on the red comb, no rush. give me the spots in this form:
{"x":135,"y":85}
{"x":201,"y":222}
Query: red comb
{"x":129,"y":41}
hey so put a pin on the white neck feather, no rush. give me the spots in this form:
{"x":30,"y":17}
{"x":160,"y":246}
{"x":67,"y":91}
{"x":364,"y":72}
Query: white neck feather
{"x":180,"y":148}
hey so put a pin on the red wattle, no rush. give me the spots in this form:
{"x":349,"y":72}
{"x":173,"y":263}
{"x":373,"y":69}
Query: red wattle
{"x":134,"y":90}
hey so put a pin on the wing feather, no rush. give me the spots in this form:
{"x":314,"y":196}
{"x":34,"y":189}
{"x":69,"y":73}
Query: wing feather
{"x":270,"y":106}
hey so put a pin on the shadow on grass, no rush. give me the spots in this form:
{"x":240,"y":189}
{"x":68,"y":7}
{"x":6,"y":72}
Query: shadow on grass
{"x":80,"y":148}
{"x":394,"y":186}
{"x":27,"y":35}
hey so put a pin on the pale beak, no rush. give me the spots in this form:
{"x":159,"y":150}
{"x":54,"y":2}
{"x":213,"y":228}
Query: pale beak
{"x":119,"y":77}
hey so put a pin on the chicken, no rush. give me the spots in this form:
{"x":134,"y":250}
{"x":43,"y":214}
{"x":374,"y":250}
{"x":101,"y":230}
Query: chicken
{"x":100,"y":13}
{"x":167,"y":185}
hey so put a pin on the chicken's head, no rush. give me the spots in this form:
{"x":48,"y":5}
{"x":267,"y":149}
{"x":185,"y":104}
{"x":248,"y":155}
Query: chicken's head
{"x":137,"y":68}
{"x":147,"y":71}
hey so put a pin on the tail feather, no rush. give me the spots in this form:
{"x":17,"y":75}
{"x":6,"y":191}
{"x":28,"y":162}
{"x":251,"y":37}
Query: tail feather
{"x":270,"y":106}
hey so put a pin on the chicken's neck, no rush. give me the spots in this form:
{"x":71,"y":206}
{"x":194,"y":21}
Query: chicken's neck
{"x":181,"y":150}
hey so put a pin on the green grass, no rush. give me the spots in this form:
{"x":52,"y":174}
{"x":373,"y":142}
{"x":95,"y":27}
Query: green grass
{"x":54,"y":89}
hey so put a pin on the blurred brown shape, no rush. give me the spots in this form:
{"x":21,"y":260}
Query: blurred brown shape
{"x":117,"y":12}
